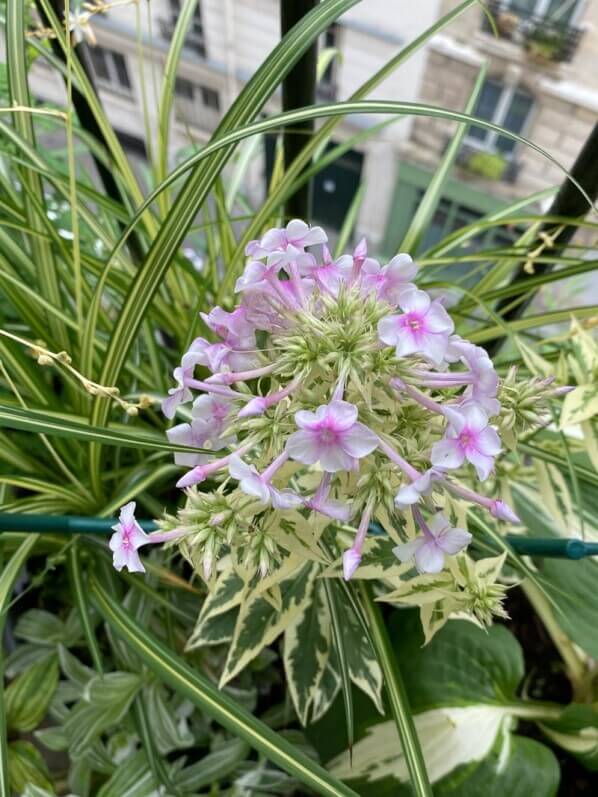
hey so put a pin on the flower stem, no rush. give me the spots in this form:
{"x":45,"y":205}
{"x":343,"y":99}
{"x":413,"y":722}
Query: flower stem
{"x":397,"y":696}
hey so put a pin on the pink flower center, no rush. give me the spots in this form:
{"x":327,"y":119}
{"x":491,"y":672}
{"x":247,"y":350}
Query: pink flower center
{"x":126,"y":542}
{"x":467,"y":438}
{"x":414,"y":322}
{"x":327,"y":436}
{"x":220,"y":411}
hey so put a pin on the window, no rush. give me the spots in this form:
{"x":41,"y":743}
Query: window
{"x":198,"y":106}
{"x":210,"y":98}
{"x":327,"y":83}
{"x":187,"y":90}
{"x":195,"y":39}
{"x":183,"y":88}
{"x":110,"y":68}
{"x":506,"y":106}
{"x":558,"y":11}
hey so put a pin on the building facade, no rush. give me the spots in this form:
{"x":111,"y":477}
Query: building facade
{"x":542,"y":83}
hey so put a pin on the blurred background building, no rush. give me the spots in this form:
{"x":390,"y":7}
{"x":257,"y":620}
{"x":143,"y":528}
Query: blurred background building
{"x":542,"y":83}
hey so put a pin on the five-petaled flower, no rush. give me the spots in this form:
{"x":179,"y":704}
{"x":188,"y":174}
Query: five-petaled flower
{"x":332,"y":436}
{"x":438,"y":539}
{"x":468,"y":437}
{"x":423,"y":327}
{"x":128,"y":537}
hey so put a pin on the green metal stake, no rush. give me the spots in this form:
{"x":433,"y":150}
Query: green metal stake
{"x":549,"y":547}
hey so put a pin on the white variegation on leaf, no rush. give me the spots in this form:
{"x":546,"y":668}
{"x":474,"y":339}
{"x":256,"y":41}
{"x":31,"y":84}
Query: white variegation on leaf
{"x":307,"y":643}
{"x":449,"y":737}
{"x":579,"y":405}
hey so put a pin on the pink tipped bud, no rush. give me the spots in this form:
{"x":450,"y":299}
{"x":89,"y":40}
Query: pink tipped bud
{"x":194,"y":476}
{"x":257,"y":406}
{"x":360,"y":252}
{"x":503,"y":511}
{"x":562,"y":391}
{"x":351,"y":561}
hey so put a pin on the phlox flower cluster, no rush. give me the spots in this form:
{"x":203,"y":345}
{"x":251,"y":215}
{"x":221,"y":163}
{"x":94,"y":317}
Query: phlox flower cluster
{"x":336,"y":387}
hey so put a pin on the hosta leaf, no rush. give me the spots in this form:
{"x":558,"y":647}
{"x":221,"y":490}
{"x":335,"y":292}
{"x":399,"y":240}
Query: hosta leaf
{"x":579,"y":405}
{"x":462,"y":665}
{"x":576,"y":731}
{"x":258,"y":623}
{"x":513,"y":765}
{"x":27,"y":698}
{"x":306,"y":651}
{"x":27,"y":766}
{"x":462,"y":687}
{"x":570,"y":584}
{"x":449,"y":737}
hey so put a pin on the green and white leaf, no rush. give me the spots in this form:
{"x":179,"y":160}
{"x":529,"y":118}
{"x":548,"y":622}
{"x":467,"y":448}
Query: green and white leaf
{"x":28,"y":697}
{"x":259,"y":623}
{"x":307,"y":642}
{"x":579,"y":405}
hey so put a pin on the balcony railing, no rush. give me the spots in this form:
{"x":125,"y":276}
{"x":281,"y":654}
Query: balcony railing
{"x":193,"y":40}
{"x":545,"y":39}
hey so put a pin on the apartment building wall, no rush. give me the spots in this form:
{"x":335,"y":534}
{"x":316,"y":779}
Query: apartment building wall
{"x":238,"y":35}
{"x":565,"y":96}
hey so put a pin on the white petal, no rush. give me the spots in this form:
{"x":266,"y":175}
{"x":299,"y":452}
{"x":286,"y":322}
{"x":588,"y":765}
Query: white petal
{"x":402,"y":267}
{"x":488,"y":442}
{"x":306,"y":419}
{"x":407,"y":496}
{"x":296,"y":230}
{"x":406,"y":342}
{"x":285,"y":499}
{"x":239,"y":469}
{"x":438,"y":524}
{"x":407,"y":550}
{"x":433,"y":345}
{"x":342,"y":415}
{"x":447,"y":454}
{"x":438,"y":320}
{"x":359,"y":441}
{"x":481,"y":463}
{"x":127,"y":513}
{"x":253,"y":485}
{"x":475,"y":417}
{"x":429,"y":558}
{"x":304,"y":447}
{"x":388,"y":329}
{"x":333,"y":458}
{"x":452,"y":541}
{"x":415,"y":301}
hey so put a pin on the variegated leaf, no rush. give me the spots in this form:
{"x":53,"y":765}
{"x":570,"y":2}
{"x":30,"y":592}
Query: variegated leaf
{"x":579,"y":405}
{"x":258,"y":623}
{"x":306,"y":652}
